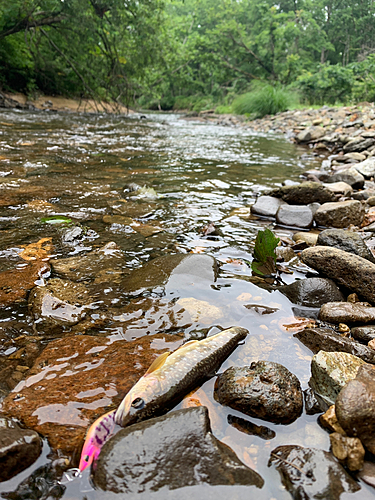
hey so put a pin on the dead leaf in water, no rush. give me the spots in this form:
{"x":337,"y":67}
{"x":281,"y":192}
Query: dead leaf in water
{"x":198,"y":250}
{"x":41,"y":250}
{"x":300,"y":324}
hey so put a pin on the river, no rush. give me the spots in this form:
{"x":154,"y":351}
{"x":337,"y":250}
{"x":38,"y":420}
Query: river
{"x":77,"y":166}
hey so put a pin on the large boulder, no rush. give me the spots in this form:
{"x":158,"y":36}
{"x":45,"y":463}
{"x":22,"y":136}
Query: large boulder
{"x":340,"y":214}
{"x":349,"y":241}
{"x":353,"y":272}
{"x":311,"y":473}
{"x":172,"y":451}
{"x":19,"y":448}
{"x":355,"y":407}
{"x":77,"y":379}
{"x":312,"y":292}
{"x":264,"y":390}
{"x":304,"y":193}
{"x":331,"y":371}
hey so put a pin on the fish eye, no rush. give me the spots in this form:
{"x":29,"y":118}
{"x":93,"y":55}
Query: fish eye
{"x":138,"y":403}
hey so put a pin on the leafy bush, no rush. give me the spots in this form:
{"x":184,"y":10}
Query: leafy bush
{"x":331,"y":84}
{"x":264,"y":100}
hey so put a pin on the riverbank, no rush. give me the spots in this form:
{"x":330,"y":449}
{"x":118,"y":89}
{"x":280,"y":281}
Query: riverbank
{"x":59,"y":103}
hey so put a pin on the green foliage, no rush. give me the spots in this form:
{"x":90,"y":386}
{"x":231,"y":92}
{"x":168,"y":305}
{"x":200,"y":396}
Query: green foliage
{"x":264,"y":256}
{"x":56,"y":219}
{"x":264,"y":100}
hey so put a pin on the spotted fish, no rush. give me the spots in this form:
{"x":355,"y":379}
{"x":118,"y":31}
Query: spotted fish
{"x":100,"y":431}
{"x":173,"y":375}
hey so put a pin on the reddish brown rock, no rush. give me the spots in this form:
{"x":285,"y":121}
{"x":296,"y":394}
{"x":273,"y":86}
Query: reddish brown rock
{"x":77,"y":379}
{"x":15,"y":283}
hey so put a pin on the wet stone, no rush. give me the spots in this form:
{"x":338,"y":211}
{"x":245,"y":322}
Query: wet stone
{"x":19,"y":448}
{"x":311,"y":473}
{"x":107,"y":263}
{"x":353,"y":272}
{"x":340,"y":214}
{"x":347,"y":312}
{"x":247,"y":427}
{"x":76,"y":380}
{"x":173,"y":451}
{"x":331,"y":371}
{"x":348,"y":241}
{"x":303,"y":194}
{"x":295,"y":216}
{"x":367,"y":474}
{"x":350,"y":176}
{"x":363,"y":333}
{"x":267,"y":206}
{"x":16,"y":283}
{"x":311,"y":403}
{"x":348,"y":450}
{"x":264,"y":390}
{"x":308,"y":237}
{"x":330,"y":422}
{"x":169,"y":273}
{"x":312,"y":292}
{"x":324,"y":339}
{"x":355,"y":407}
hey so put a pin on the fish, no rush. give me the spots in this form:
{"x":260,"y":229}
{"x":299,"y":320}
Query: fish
{"x":173,"y":375}
{"x":100,"y":431}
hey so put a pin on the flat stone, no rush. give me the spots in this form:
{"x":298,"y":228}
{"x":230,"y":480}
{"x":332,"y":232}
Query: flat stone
{"x":347,"y":312}
{"x":108,"y":261}
{"x":304,"y":193}
{"x":312,"y":292}
{"x":173,"y":451}
{"x":267,"y":206}
{"x":353,"y":272}
{"x":340,"y":188}
{"x":366,"y":167}
{"x":310,"y":473}
{"x":358,"y":144}
{"x":348,"y":450}
{"x":349,"y":241}
{"x":340,"y":214}
{"x":350,"y":175}
{"x":170,"y":273}
{"x":324,"y":339}
{"x":363,"y":333}
{"x":295,"y":216}
{"x":310,"y":134}
{"x":19,"y":448}
{"x":331,"y":371}
{"x":364,"y":195}
{"x":76,"y":380}
{"x":264,"y":390}
{"x":16,"y":283}
{"x":355,"y":407}
{"x":355,"y":156}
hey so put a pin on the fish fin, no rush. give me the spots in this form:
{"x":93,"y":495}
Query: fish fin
{"x":188,"y":343}
{"x":158,"y":363}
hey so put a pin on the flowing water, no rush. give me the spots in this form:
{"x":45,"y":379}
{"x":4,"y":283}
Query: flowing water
{"x":77,"y":166}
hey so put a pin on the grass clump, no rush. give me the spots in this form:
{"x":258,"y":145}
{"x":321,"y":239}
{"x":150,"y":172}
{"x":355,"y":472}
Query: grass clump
{"x":265,"y":100}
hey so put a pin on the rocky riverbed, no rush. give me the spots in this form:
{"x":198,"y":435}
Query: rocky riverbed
{"x":82,"y":322}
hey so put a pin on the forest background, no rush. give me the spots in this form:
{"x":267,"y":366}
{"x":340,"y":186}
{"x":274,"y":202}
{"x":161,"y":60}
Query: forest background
{"x":190,"y":54}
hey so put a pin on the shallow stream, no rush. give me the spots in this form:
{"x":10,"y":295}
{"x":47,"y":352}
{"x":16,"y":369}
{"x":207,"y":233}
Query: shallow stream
{"x":77,"y":166}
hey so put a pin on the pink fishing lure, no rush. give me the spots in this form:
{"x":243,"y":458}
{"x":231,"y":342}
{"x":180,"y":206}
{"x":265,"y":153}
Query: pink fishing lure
{"x":99,"y":432}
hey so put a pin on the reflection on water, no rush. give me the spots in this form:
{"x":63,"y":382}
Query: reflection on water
{"x":78,"y":167}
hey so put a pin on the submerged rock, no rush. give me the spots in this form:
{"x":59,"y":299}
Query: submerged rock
{"x":16,"y":283}
{"x":353,"y":272}
{"x":312,"y":292}
{"x":331,"y":371}
{"x":311,"y":473}
{"x":340,"y":214}
{"x":77,"y":379}
{"x":171,"y":273}
{"x":172,"y":451}
{"x":355,"y":407}
{"x":304,"y":193}
{"x":19,"y":448}
{"x":264,"y":390}
{"x":349,"y":241}
{"x":106,"y":262}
